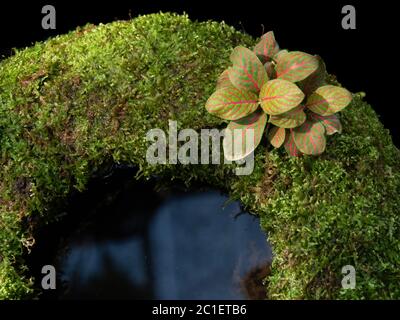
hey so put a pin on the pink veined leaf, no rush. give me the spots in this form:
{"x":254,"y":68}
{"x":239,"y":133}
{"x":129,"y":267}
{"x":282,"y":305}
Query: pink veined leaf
{"x":290,"y":119}
{"x":247,"y":72}
{"x":276,"y":136}
{"x":243,"y":136}
{"x":315,"y":79}
{"x":332,"y":123}
{"x":327,"y":100}
{"x":223,"y":80}
{"x":290,"y":145}
{"x":296,"y":66}
{"x":267,"y":47}
{"x":310,"y":137}
{"x":278,"y":96}
{"x":279,"y":55}
{"x":231,"y":103}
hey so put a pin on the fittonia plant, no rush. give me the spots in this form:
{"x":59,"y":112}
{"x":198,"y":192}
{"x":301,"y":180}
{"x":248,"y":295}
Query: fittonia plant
{"x":283,"y":91}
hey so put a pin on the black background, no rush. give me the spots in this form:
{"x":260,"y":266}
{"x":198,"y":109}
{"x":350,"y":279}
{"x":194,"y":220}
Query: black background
{"x":363,"y":59}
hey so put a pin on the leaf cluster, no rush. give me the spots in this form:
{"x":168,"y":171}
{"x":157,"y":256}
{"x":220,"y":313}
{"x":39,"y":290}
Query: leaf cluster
{"x":281,"y":92}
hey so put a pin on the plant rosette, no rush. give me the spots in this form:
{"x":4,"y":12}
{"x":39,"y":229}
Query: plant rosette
{"x":284,"y":93}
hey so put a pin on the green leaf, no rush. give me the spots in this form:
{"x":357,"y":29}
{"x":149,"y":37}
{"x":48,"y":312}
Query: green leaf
{"x":223,"y":80}
{"x":278,"y":96}
{"x":310,"y":137}
{"x":277,"y":136}
{"x":328,"y":100}
{"x":247,"y":72}
{"x":231,"y":104}
{"x":290,"y":145}
{"x":295,"y":66}
{"x":237,"y":144}
{"x":290,"y":119}
{"x":315,"y":79}
{"x":332,"y":123}
{"x":279,"y":55}
{"x":267,"y":47}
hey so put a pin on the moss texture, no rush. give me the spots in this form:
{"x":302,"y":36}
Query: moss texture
{"x":71,"y":106}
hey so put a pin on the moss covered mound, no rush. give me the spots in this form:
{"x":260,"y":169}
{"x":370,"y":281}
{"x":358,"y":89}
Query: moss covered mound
{"x":73,"y":105}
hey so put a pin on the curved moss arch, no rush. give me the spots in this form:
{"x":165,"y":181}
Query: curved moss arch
{"x":76,"y":103}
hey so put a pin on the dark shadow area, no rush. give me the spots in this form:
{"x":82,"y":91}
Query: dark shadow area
{"x":124,"y":239}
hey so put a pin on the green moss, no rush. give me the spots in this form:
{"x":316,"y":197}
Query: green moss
{"x":76,"y":103}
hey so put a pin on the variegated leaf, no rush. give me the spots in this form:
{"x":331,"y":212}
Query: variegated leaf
{"x":231,"y":103}
{"x":243,"y":136}
{"x":310,"y":137}
{"x":247,"y":72}
{"x":277,"y":136}
{"x":315,"y":79}
{"x":290,"y":145}
{"x":267,"y":47}
{"x":332,"y":123}
{"x":278,"y":96}
{"x":223,"y":80}
{"x":295,"y":66}
{"x":328,"y":100}
{"x":279,"y":55}
{"x":291,"y":119}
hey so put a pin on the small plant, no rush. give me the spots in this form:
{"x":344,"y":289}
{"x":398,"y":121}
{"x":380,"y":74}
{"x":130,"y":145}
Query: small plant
{"x":283,"y":91}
